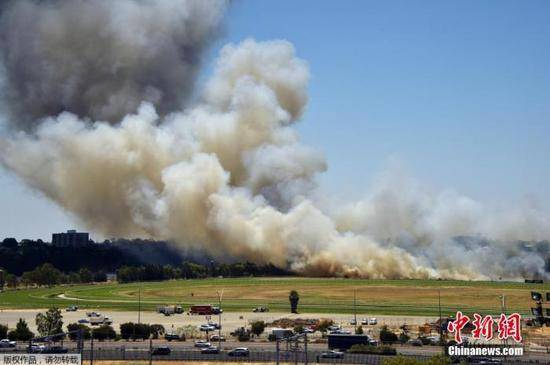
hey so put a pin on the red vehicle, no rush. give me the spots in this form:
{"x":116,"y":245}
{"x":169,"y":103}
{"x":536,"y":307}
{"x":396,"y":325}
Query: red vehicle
{"x":203,"y":309}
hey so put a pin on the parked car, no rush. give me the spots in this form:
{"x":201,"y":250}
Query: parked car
{"x":36,"y":349}
{"x":71,"y":308}
{"x":353,"y":322}
{"x":332,"y":354}
{"x":365,"y":321}
{"x":172,"y":337}
{"x":55,"y":350}
{"x":93,"y":314}
{"x":373,"y":321}
{"x":216,"y":338}
{"x":207,"y":327}
{"x":484,"y":360}
{"x":308,"y":330}
{"x":215,"y":325}
{"x":202,"y":344}
{"x":210,"y":350}
{"x":260,"y":309}
{"x":161,"y":350}
{"x":5,"y":343}
{"x":415,"y":342}
{"x":239,"y":352}
{"x":83,"y":320}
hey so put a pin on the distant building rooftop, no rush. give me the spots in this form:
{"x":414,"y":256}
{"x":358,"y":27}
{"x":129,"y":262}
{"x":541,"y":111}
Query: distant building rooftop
{"x":71,"y":238}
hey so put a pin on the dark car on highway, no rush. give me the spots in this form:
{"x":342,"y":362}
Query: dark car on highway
{"x":55,"y":350}
{"x":161,"y":350}
{"x":172,"y":337}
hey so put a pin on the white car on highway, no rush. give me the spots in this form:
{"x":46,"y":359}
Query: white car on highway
{"x":202,"y":344}
{"x":7,"y":343}
{"x":207,"y":327}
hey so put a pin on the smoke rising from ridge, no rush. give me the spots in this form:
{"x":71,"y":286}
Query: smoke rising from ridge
{"x":227,"y":173}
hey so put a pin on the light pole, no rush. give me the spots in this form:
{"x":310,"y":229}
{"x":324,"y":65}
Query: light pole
{"x":220,"y":295}
{"x":355,"y":309}
{"x":139,"y":305}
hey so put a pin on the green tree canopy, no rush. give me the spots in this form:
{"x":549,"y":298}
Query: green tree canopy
{"x":21,"y":332}
{"x":49,"y":323}
{"x":294,"y":298}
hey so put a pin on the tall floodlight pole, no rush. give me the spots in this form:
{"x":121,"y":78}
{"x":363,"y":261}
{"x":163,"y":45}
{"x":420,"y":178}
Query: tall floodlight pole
{"x":139,"y":305}
{"x":220,"y":295}
{"x":440,"y":318}
{"x":355,"y":309}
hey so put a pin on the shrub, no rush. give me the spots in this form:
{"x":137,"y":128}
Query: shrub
{"x":257,"y":327}
{"x":359,"y":330}
{"x":86,"y":331}
{"x":104,"y":332}
{"x":403,"y":337}
{"x":324,"y":325}
{"x":387,"y":336}
{"x":21,"y":332}
{"x":402,"y":360}
{"x":135,"y":331}
{"x":369,"y":349}
{"x":157,"y":330}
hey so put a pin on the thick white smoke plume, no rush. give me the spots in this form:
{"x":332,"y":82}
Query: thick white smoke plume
{"x":227,"y":173}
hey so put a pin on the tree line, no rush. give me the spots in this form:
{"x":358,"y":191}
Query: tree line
{"x":48,"y":275}
{"x":191,"y":270}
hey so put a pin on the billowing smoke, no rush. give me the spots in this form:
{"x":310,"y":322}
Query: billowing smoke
{"x":102,"y":58}
{"x":227,"y":172}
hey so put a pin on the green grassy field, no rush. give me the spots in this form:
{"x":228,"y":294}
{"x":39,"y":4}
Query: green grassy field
{"x":398,"y":297}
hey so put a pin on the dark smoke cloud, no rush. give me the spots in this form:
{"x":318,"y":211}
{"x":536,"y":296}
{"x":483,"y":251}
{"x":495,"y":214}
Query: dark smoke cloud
{"x":100,"y":59}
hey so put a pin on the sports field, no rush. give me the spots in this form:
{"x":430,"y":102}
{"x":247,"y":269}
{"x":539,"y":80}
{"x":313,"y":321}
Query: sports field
{"x":317,"y":295}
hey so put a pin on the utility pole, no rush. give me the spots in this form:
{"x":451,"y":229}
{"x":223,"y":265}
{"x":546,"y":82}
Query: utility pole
{"x":220,"y":295}
{"x":92,"y":350}
{"x":139,"y":305}
{"x":355,"y":309}
{"x":440,"y":320}
{"x":150,"y":350}
{"x":305,"y":347}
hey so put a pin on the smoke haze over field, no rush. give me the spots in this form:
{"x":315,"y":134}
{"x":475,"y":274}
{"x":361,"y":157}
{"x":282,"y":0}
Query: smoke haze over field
{"x":104,"y":127}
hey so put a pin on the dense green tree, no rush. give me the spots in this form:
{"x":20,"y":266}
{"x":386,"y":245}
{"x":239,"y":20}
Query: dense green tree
{"x":86,"y":331}
{"x":11,"y":281}
{"x":100,"y":277}
{"x":104,"y":332}
{"x":49,"y":323}
{"x":3,"y":331}
{"x":135,"y":331}
{"x":257,"y":327}
{"x":294,"y":298}
{"x":387,"y":336}
{"x":10,"y":243}
{"x":85,"y":275}
{"x":21,"y":332}
{"x":157,"y":330}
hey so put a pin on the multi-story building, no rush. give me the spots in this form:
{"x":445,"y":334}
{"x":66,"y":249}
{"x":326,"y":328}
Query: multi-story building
{"x":70,"y":238}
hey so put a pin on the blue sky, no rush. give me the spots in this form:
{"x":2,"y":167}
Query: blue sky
{"x":455,"y":92}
